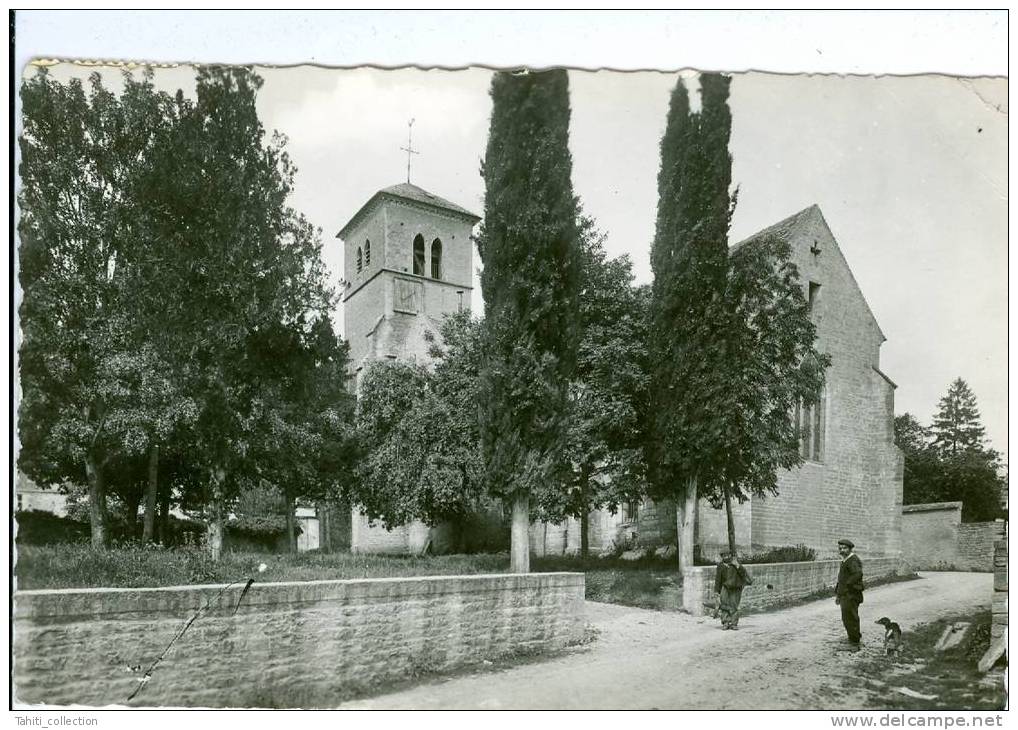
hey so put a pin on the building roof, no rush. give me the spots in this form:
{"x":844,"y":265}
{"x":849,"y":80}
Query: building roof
{"x":784,"y":229}
{"x":408,"y":191}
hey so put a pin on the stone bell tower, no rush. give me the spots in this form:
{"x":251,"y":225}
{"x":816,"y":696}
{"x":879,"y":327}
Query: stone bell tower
{"x":408,"y":262}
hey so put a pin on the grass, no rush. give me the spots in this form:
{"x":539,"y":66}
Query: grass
{"x":79,"y":566}
{"x":646,"y":583}
{"x":951,"y":676}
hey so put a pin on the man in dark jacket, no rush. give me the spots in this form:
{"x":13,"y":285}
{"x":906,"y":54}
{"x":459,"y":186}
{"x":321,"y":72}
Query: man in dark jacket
{"x":848,"y":592}
{"x":729,"y":580}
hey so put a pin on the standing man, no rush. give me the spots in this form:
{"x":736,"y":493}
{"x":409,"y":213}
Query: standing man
{"x":848,"y":593}
{"x":729,"y":580}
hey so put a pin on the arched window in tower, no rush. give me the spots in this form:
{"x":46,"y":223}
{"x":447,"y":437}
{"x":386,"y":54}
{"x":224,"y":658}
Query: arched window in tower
{"x":360,"y":260}
{"x":419,"y":255}
{"x":436,"y":259}
{"x":367,"y":253}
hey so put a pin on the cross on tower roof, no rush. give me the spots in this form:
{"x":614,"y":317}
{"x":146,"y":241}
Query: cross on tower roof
{"x":409,"y":149}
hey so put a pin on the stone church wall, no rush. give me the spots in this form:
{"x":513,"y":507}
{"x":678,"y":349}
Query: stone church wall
{"x":855,"y":489}
{"x":306,"y":643}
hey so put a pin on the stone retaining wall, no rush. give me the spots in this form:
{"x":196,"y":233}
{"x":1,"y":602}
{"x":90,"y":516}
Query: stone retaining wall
{"x":933,"y":537}
{"x":288,"y":644}
{"x":998,"y":605}
{"x":976,"y":543}
{"x":776,"y":583}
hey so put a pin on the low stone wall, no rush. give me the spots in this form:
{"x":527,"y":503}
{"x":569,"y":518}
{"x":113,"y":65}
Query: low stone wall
{"x":998,"y":604}
{"x":933,"y":537}
{"x":929,"y":535}
{"x":287,"y":644}
{"x":976,"y":544}
{"x":776,"y":583}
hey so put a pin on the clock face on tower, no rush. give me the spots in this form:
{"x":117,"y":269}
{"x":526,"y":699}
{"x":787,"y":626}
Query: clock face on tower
{"x":406,"y":295}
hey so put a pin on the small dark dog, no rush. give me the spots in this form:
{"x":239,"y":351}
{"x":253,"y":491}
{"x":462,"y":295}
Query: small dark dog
{"x":892,"y":636}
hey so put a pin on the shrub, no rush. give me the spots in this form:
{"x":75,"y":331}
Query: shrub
{"x":38,"y":527}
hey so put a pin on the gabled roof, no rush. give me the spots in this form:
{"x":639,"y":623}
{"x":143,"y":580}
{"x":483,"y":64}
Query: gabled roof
{"x":784,"y":229}
{"x":408,"y":191}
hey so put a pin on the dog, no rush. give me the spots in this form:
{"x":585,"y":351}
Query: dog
{"x":892,"y":636}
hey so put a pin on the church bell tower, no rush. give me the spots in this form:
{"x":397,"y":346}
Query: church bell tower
{"x":408,"y":262}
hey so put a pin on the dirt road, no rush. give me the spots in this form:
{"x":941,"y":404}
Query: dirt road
{"x":789,"y":659}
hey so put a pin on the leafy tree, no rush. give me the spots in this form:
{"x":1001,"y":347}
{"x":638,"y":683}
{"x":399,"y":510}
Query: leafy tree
{"x":771,"y":368}
{"x":92,"y":391}
{"x":956,"y":426}
{"x":419,"y":434}
{"x":608,"y":393}
{"x":923,"y":465}
{"x":686,"y":348}
{"x":241,"y":275}
{"x":528,"y":244}
{"x":948,"y":462}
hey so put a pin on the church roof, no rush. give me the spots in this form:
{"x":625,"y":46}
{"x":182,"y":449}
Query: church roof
{"x":784,"y":229}
{"x":408,"y":191}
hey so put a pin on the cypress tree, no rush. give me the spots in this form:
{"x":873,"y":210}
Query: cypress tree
{"x":528,"y":244}
{"x":689,"y":260}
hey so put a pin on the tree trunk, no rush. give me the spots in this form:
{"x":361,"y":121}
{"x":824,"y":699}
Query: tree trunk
{"x":731,"y":520}
{"x":324,"y":527}
{"x":215,"y":521}
{"x":291,"y":524}
{"x":685,"y":523}
{"x":519,"y":551}
{"x":131,"y":506}
{"x":96,"y":501}
{"x":148,"y":528}
{"x":584,"y":514}
{"x":164,"y":515}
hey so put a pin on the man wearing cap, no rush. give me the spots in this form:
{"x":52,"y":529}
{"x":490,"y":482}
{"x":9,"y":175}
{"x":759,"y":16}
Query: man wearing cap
{"x":729,"y":580}
{"x":848,"y":592}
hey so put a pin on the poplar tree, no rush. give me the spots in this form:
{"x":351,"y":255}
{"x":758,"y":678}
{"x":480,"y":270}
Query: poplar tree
{"x":528,"y":245}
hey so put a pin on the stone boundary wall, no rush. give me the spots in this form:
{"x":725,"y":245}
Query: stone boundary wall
{"x":933,"y":537}
{"x":776,"y":583}
{"x":998,"y":606}
{"x":288,"y":644}
{"x":976,"y":542}
{"x":929,"y":535}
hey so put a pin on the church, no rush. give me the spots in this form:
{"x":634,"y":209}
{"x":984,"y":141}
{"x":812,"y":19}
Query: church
{"x":409,"y":261}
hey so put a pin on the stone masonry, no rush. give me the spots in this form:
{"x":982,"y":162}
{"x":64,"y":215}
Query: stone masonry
{"x":288,"y":644}
{"x":776,"y":583}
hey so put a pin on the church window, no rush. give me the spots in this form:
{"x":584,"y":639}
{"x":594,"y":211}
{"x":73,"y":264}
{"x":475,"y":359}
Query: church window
{"x":436,"y":259}
{"x":811,"y":422}
{"x":630,"y":510}
{"x":360,"y":260}
{"x":367,"y":253}
{"x":814,"y":293}
{"x":419,"y":255}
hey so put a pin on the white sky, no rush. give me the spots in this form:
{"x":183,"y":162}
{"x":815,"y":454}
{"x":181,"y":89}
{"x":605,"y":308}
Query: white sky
{"x":911,"y":173}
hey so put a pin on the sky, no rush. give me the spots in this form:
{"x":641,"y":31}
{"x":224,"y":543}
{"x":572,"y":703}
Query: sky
{"x":910,"y":173}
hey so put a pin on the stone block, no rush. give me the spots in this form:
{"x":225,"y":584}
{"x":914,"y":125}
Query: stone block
{"x":1000,"y":580}
{"x":666,"y":552}
{"x":952,"y":636}
{"x":999,"y":602}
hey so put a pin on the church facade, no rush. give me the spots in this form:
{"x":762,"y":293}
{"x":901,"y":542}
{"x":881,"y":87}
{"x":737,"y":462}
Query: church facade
{"x":409,"y":261}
